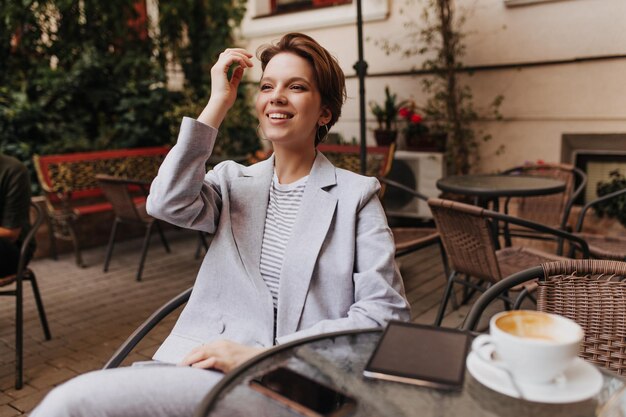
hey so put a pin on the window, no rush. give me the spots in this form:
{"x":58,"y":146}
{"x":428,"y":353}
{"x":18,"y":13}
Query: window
{"x":273,"y":17}
{"x":514,"y":3}
{"x":287,"y":6}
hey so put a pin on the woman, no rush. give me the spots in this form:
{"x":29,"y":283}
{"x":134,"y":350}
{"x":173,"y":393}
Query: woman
{"x":300,"y":247}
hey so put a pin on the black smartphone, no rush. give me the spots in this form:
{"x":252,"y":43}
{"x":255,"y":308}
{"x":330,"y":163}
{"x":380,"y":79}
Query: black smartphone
{"x":303,"y":394}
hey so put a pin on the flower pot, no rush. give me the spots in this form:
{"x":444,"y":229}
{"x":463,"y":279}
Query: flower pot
{"x":426,"y":142}
{"x":385,"y":137}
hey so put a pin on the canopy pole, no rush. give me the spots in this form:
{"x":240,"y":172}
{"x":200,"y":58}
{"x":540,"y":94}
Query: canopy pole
{"x":361,"y":71}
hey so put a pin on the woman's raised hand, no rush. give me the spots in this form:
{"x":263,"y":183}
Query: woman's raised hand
{"x":224,"y":90}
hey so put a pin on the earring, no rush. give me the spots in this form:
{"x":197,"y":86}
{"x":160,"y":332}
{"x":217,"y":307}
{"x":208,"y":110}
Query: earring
{"x":323,"y":138}
{"x":259,"y":132}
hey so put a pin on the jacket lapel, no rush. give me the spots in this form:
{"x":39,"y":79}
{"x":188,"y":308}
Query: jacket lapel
{"x":315,"y":215}
{"x":250,"y":195}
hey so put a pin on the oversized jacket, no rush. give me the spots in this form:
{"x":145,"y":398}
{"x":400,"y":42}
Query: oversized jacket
{"x":338,"y":271}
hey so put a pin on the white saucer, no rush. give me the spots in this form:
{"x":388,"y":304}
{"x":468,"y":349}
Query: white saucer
{"x":582,"y":381}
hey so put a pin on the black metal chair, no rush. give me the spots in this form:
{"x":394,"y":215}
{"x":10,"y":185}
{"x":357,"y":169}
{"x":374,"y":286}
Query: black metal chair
{"x":602,"y":246}
{"x":145,"y":328}
{"x":589,"y":291}
{"x":127,"y":210}
{"x":25,"y":274}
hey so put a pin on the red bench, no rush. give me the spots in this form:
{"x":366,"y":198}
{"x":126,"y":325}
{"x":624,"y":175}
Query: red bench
{"x":71,"y":189}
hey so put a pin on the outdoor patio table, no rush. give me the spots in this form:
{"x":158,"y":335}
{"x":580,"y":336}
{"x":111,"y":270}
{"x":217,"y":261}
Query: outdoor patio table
{"x":338,"y":359}
{"x":489,"y":188}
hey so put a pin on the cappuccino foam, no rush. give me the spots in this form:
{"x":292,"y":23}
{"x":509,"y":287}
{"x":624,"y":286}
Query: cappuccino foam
{"x":528,"y":324}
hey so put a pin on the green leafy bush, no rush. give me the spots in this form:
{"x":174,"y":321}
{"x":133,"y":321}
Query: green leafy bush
{"x":237,"y":136}
{"x":81,"y":76}
{"x":615,"y":207}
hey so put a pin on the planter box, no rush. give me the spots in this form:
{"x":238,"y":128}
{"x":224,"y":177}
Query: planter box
{"x":427,"y":142}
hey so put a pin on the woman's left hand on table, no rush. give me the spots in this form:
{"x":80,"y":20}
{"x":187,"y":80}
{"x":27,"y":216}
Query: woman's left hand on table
{"x":222,"y":355}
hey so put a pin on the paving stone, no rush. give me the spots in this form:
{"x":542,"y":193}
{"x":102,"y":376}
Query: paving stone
{"x":16,"y":394}
{"x":79,"y":366}
{"x":27,"y":403}
{"x":8,"y":411}
{"x":52,"y":378}
{"x":5,"y":399}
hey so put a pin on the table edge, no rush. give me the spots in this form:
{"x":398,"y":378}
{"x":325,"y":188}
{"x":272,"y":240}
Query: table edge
{"x":500,"y":193}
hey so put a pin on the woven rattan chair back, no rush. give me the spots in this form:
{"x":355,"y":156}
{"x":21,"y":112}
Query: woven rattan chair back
{"x":120,"y":198}
{"x":466,"y":237}
{"x":547,"y":209}
{"x":348,"y":157}
{"x":378,"y":159}
{"x":592,"y":293}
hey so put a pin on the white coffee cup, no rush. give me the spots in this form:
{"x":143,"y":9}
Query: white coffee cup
{"x":534,"y":347}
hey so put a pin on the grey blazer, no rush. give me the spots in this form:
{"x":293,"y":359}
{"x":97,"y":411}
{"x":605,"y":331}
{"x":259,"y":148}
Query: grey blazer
{"x":338,"y":272}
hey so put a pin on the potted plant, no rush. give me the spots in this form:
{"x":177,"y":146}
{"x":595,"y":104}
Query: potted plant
{"x":448,"y":104}
{"x":615,"y":207}
{"x":386,"y":116}
{"x":417,"y":135}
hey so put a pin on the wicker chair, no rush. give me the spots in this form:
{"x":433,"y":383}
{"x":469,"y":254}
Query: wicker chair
{"x":602,"y":246}
{"x":25,"y":274}
{"x":378,"y":159}
{"x":151,"y":322}
{"x":127,"y":211}
{"x":590,"y":292}
{"x":552,"y":210}
{"x":467,"y":235}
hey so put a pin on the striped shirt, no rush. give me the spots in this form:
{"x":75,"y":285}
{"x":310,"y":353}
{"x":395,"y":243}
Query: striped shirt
{"x":281,"y":214}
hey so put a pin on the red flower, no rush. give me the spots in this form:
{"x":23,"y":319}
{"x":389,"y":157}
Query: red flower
{"x":416,"y":118}
{"x":404,"y":112}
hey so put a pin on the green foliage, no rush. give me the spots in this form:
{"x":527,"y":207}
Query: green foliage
{"x":78,"y":76}
{"x":78,"y":79}
{"x":449,"y":107}
{"x":614,"y":207}
{"x":195,"y":32}
{"x":237,"y":135}
{"x":387,"y":114}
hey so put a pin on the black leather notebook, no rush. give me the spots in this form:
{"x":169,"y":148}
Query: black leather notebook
{"x":421,"y":355}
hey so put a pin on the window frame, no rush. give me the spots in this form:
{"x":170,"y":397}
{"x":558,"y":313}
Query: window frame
{"x":259,"y":21}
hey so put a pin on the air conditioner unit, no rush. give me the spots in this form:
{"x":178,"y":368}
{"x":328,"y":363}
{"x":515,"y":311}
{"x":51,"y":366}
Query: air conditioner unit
{"x":417,"y":170}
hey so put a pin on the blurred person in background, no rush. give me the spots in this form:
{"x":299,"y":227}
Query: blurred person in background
{"x":14,"y":212}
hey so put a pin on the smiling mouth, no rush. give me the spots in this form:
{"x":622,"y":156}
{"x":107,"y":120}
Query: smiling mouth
{"x":279,"y":116}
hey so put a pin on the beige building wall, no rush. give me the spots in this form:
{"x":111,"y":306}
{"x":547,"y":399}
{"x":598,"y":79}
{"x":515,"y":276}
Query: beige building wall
{"x":541,"y":102}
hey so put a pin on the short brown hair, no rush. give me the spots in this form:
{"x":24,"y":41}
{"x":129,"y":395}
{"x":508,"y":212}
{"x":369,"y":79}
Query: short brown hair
{"x":329,"y":77}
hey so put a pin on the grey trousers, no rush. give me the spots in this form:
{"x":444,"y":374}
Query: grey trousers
{"x":155,"y":391}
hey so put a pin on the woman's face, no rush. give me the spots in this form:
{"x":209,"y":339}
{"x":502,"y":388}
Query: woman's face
{"x":289,"y":105}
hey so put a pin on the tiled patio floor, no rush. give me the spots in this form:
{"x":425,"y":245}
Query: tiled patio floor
{"x":91,"y":312}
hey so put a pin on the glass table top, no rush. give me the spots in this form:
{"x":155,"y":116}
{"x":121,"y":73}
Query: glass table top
{"x":339,"y":362}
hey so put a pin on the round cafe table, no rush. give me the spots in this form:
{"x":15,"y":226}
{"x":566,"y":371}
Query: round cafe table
{"x":489,"y":188}
{"x":338,"y":360}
